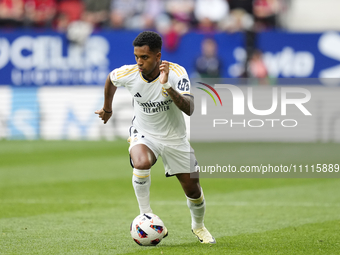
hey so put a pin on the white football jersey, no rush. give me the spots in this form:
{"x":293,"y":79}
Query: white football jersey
{"x":155,"y":112}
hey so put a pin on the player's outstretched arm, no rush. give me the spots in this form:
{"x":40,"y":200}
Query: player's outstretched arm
{"x":106,"y":112}
{"x":183,"y":102}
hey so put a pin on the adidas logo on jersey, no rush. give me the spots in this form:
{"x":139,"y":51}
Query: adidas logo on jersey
{"x":137,"y":95}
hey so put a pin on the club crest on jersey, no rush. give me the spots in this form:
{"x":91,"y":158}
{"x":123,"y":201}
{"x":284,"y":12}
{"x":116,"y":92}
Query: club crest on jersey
{"x":164,"y":92}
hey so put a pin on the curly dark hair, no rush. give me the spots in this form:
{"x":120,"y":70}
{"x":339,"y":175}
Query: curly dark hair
{"x":149,"y":38}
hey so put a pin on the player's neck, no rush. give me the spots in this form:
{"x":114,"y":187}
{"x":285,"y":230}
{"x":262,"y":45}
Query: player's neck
{"x":152,"y":76}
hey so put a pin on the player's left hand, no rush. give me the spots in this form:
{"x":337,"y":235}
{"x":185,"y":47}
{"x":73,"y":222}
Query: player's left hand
{"x":164,"y":69}
{"x":105,"y":116}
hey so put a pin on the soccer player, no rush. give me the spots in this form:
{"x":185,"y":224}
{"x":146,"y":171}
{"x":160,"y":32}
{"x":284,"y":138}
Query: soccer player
{"x":161,"y":92}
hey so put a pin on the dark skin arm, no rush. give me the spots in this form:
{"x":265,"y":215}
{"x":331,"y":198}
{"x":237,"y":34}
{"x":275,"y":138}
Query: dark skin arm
{"x":109,"y":92}
{"x":184,"y":102}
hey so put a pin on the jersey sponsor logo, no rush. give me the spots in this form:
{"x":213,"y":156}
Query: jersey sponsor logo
{"x":183,"y":85}
{"x":137,"y":95}
{"x":153,"y":107}
{"x":151,"y":104}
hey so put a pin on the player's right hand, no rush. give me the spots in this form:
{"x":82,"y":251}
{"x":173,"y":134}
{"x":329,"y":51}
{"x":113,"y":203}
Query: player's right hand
{"x":103,"y":115}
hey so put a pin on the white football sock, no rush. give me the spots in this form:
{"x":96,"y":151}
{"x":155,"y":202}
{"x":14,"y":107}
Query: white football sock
{"x":197,"y":210}
{"x":141,"y":181}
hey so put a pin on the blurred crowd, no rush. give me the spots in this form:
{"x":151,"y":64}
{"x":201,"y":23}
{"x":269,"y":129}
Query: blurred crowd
{"x":171,"y":18}
{"x":165,"y":16}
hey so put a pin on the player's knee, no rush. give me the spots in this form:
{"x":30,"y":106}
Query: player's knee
{"x":193,"y":193}
{"x":142,"y":163}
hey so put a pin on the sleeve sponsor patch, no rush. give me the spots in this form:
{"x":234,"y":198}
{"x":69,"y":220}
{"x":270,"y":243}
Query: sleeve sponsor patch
{"x":183,"y":85}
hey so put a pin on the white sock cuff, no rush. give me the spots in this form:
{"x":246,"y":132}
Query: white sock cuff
{"x":141,"y":173}
{"x":197,"y":200}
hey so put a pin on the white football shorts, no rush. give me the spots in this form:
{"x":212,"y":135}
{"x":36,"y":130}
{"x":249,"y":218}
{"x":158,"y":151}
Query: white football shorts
{"x":177,"y":158}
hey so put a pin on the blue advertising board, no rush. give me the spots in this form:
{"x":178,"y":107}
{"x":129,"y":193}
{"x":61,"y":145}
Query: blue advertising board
{"x":40,"y":58}
{"x":301,"y":55}
{"x":36,"y":58}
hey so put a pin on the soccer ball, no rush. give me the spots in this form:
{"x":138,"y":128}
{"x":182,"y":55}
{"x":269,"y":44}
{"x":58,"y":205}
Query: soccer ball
{"x":147,"y":229}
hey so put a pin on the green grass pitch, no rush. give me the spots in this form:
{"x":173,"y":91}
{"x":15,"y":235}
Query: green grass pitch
{"x":65,"y":197}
